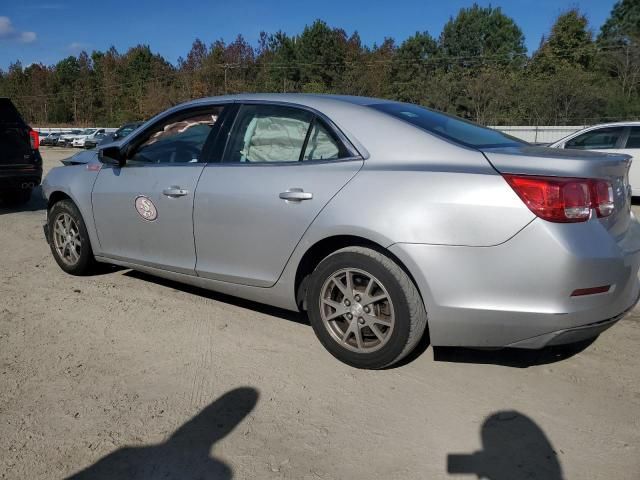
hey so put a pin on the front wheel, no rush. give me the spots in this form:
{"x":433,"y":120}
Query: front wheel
{"x":364,"y":308}
{"x":69,"y":240}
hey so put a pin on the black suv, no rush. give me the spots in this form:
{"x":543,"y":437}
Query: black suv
{"x":20,"y":160}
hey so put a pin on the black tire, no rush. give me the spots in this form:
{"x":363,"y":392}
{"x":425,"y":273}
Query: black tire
{"x":16,"y":198}
{"x":85,"y":263}
{"x":410,"y":316}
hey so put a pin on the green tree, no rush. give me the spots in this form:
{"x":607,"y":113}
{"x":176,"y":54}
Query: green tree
{"x":570,"y":43}
{"x":480,"y":35}
{"x":411,"y":67}
{"x":623,"y":24}
{"x":619,"y":43}
{"x":321,"y":55}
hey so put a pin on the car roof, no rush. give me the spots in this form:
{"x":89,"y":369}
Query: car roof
{"x":305,"y":99}
{"x":632,"y":123}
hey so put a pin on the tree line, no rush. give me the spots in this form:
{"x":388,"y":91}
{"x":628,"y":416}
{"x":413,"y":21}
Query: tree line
{"x":477,"y":68}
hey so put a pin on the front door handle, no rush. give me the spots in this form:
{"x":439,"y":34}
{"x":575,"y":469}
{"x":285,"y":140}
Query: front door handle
{"x":175,"y":191}
{"x":296,"y":195}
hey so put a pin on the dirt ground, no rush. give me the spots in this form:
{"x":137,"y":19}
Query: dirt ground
{"x":121,"y":375}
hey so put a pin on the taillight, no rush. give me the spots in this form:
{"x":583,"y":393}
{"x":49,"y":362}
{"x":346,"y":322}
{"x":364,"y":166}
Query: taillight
{"x":602,"y":192}
{"x":563,"y":200}
{"x":35,"y":139}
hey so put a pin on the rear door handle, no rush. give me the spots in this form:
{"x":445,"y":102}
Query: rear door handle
{"x":296,"y":195}
{"x":175,"y":191}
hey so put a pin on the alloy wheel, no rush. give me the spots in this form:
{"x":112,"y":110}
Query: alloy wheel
{"x":66,"y":239}
{"x":357,"y":310}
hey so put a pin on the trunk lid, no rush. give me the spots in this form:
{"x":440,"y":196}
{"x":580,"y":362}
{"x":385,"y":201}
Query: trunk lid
{"x":15,"y":141}
{"x":555,"y":162}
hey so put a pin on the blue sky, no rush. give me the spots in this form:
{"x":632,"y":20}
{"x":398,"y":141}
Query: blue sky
{"x":49,"y":30}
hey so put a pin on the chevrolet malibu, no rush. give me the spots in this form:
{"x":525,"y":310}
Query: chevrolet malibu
{"x":383,"y":221}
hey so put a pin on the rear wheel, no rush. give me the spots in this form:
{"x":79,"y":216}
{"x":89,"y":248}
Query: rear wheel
{"x":364,"y":308}
{"x":69,"y":240}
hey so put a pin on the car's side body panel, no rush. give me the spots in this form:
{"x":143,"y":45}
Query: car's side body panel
{"x":244,"y":231}
{"x":165,"y":241}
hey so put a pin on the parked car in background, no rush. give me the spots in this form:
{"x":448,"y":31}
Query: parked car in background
{"x":381,"y":219}
{"x":51,"y":139}
{"x":79,"y":140}
{"x":121,"y":133}
{"x":42,"y":136}
{"x":94,"y":140}
{"x":20,"y":160}
{"x":621,"y":137}
{"x":65,"y":139}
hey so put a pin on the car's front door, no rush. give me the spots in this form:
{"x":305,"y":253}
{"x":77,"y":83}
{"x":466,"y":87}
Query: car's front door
{"x":143,"y":210}
{"x":280,"y":168}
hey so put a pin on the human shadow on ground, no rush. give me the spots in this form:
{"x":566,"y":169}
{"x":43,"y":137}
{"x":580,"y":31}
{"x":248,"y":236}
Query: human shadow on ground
{"x":185,"y":455}
{"x":513,"y":448}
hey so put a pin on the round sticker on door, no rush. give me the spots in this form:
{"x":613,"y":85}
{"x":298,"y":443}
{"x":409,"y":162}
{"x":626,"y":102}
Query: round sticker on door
{"x":146,"y":209}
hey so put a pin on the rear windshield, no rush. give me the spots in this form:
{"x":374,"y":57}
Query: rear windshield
{"x":447,"y":126}
{"x":8,"y":112}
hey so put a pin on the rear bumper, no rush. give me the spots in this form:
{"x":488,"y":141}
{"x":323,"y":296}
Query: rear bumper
{"x":570,"y":335}
{"x":518,"y":293}
{"x":20,"y":178}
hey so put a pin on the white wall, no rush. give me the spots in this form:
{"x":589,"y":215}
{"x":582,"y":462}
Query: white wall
{"x":67,"y":129}
{"x":543,"y":134}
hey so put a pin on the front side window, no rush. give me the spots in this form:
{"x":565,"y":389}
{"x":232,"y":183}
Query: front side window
{"x":179,"y":140}
{"x":634,"y":138}
{"x":600,"y":139}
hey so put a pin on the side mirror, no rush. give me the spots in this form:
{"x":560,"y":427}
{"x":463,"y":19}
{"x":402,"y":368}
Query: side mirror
{"x":116,"y":135}
{"x":112,"y":156}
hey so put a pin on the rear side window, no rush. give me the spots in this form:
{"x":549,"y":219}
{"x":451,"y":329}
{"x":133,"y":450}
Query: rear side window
{"x":321,"y":145}
{"x":600,"y":139}
{"x":447,"y":126}
{"x":277,"y":134}
{"x":634,"y":138}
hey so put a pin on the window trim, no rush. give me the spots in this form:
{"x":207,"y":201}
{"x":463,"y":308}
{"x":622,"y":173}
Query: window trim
{"x":337,"y":135}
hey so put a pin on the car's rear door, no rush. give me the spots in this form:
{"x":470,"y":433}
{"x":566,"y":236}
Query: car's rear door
{"x":143,"y":211}
{"x":281,"y":166}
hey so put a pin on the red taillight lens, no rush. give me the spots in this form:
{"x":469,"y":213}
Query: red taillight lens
{"x":35,"y":139}
{"x":563,"y":200}
{"x":603,"y":198}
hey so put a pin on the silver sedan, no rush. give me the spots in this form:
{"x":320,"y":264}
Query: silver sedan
{"x":383,"y":221}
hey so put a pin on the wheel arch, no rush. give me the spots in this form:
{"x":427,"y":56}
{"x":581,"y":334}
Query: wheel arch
{"x":325,"y":247}
{"x":56,"y":197}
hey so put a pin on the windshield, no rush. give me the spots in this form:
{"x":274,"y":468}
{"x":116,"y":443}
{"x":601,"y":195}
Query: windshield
{"x":88,"y":131}
{"x":447,"y":126}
